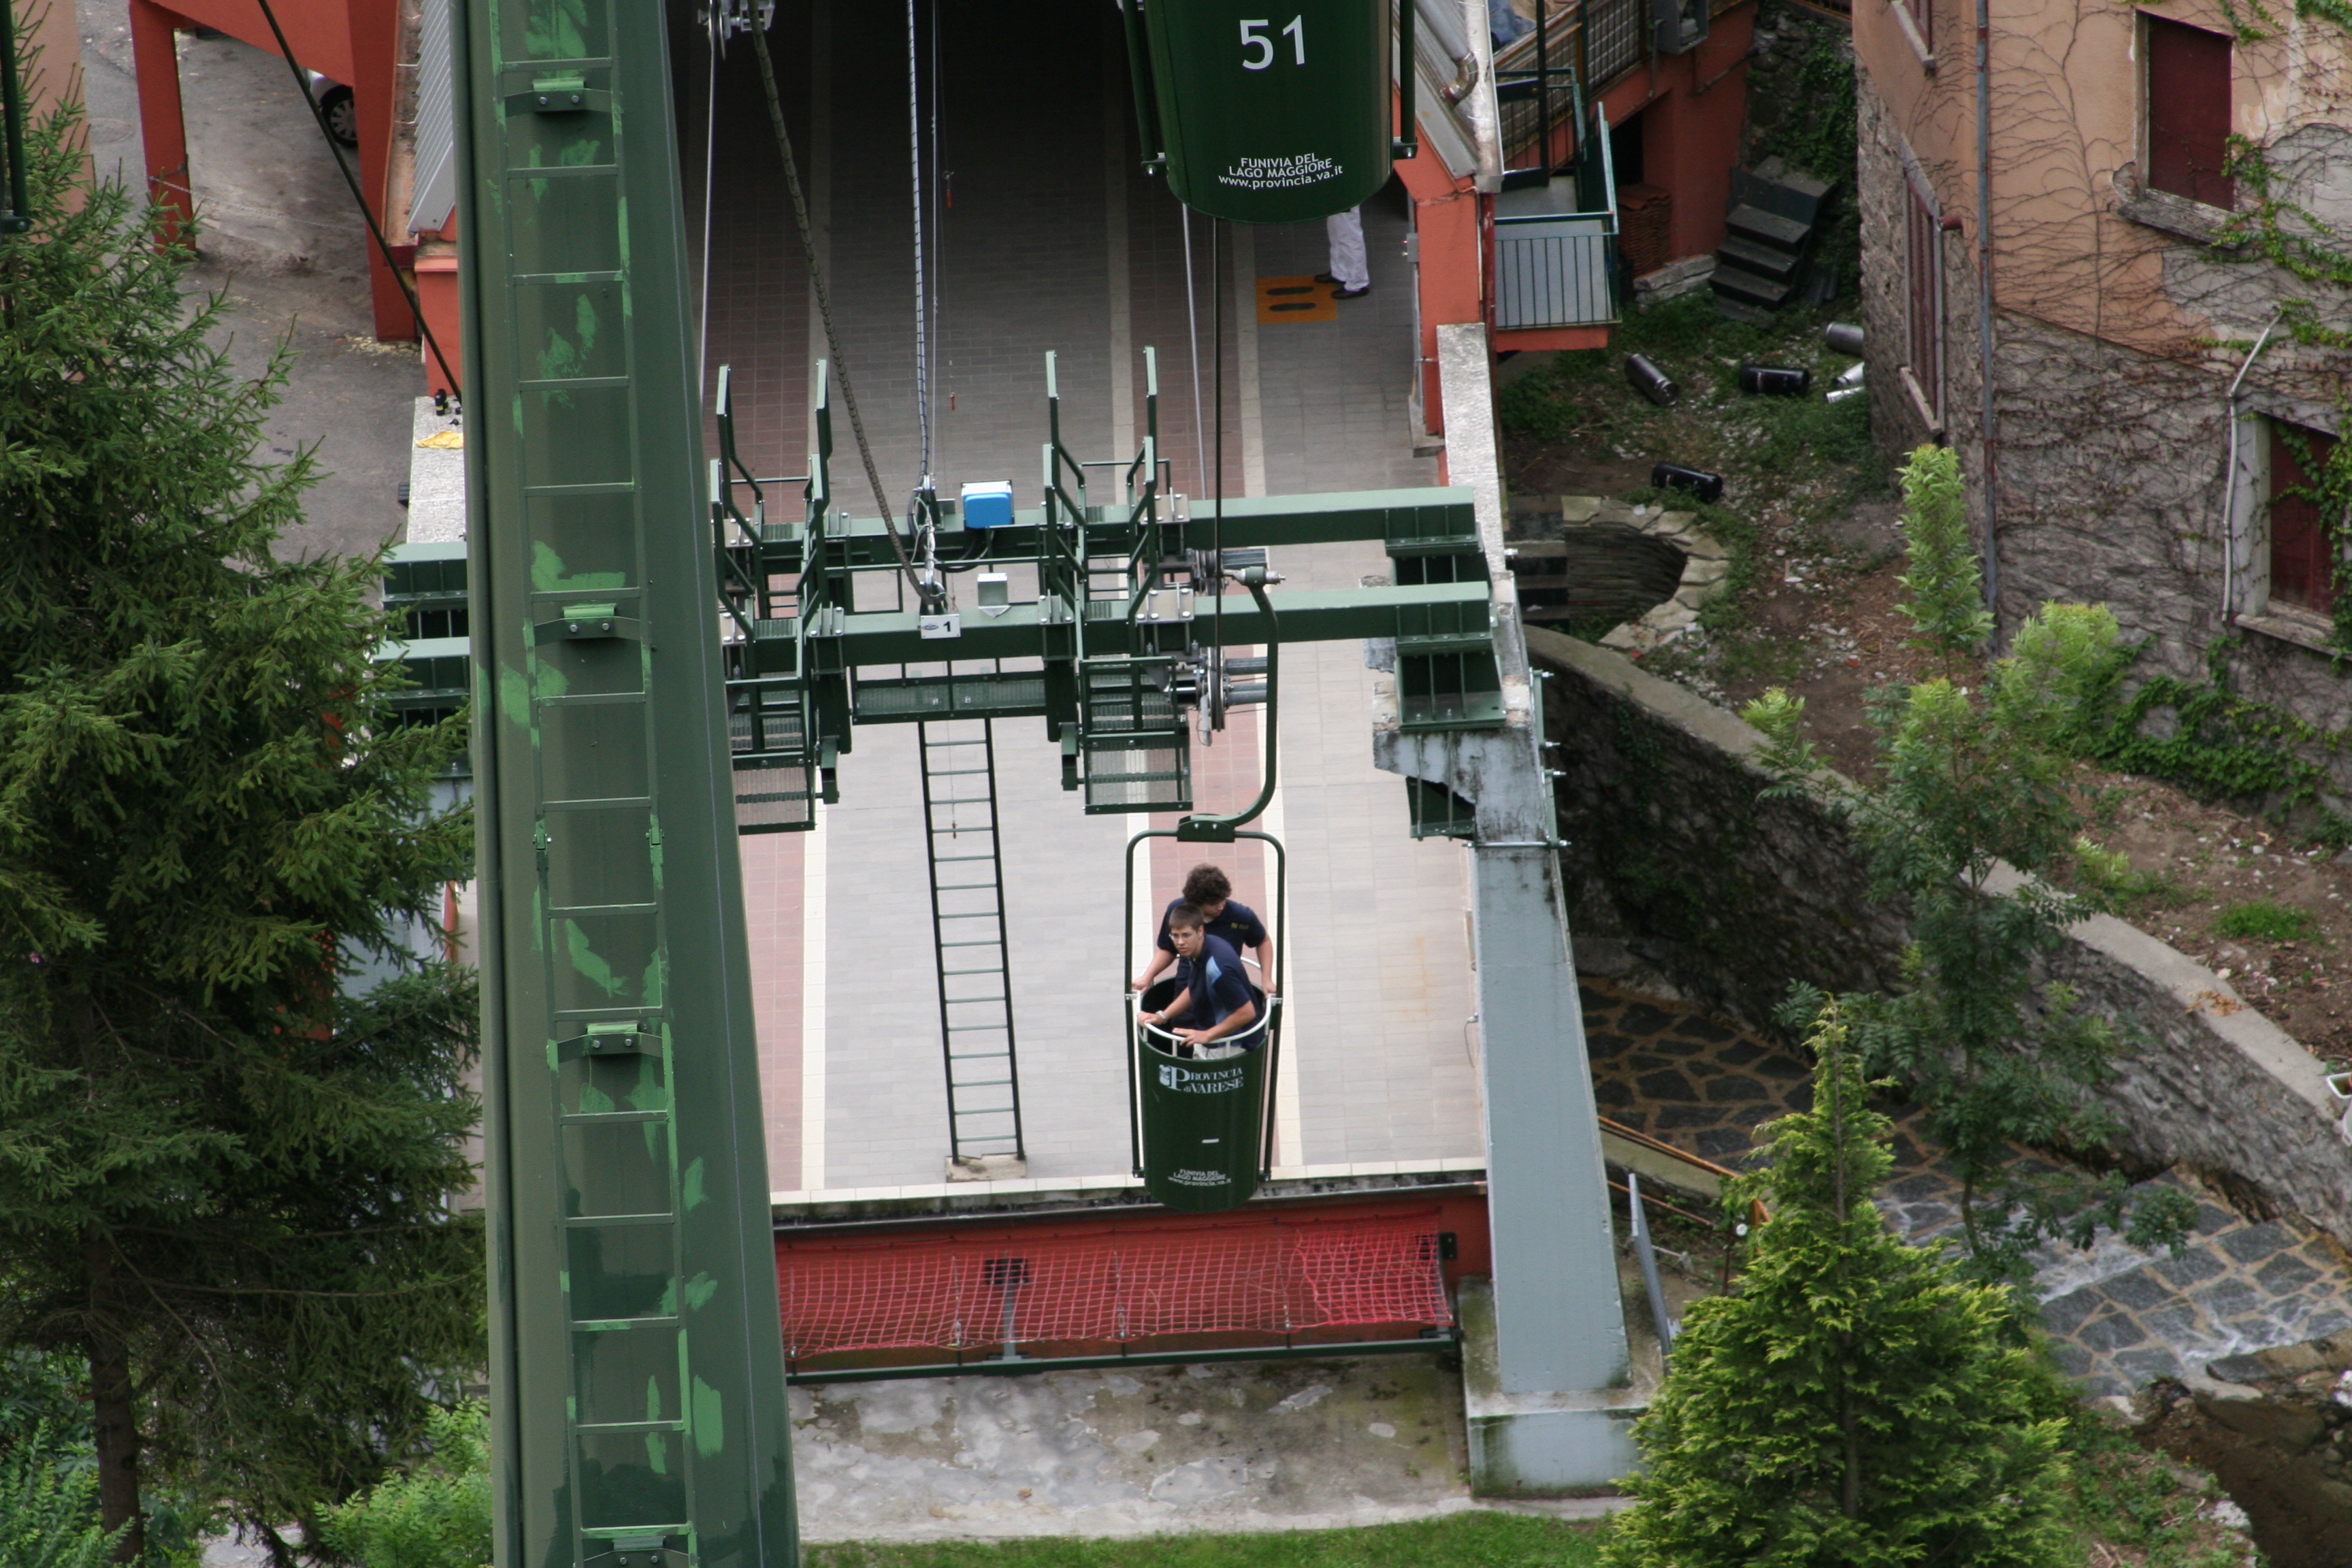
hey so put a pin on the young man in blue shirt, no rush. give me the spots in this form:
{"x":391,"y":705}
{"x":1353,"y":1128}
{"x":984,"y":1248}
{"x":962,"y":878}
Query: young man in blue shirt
{"x":1214,"y":1002}
{"x":1208,"y":889}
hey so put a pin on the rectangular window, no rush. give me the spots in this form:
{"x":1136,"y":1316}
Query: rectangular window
{"x":1926,"y":300}
{"x":2302,"y":548}
{"x":2188,"y":112}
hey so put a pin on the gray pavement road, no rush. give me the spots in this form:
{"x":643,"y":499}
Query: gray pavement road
{"x":281,"y":238}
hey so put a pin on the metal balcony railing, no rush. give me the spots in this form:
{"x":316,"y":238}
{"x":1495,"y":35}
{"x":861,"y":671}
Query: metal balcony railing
{"x":1614,"y":32}
{"x":1559,"y":269}
{"x":1535,"y":85}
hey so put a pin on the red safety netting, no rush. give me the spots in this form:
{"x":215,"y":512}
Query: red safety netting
{"x":1266,"y":1277}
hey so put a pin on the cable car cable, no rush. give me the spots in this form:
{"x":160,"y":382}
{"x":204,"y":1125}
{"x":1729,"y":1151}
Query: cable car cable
{"x":1192,"y":347}
{"x":1217,"y":516}
{"x":922,"y":302}
{"x":925,"y":594}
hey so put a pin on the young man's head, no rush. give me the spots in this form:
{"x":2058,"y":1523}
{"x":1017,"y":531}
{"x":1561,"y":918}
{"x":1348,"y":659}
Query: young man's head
{"x":1185,"y":924}
{"x":1207,"y":889}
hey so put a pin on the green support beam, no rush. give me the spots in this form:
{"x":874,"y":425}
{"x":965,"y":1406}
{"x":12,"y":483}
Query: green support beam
{"x":882,"y":636}
{"x":1409,"y":521}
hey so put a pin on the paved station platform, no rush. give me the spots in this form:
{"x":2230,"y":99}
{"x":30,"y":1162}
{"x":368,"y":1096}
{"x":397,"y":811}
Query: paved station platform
{"x":1045,"y":235}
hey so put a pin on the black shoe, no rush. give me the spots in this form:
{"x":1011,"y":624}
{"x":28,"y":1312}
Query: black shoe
{"x":1326,"y":277}
{"x":1351,"y":293}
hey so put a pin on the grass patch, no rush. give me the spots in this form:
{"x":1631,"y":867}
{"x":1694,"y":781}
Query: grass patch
{"x":1470,"y":1539}
{"x":2142,"y":1508}
{"x":1768,"y":445}
{"x":2264,"y":919}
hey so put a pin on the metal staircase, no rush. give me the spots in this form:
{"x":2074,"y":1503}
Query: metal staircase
{"x":958,"y":759}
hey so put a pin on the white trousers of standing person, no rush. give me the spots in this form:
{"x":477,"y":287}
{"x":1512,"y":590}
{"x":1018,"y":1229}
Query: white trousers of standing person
{"x":1346,"y":232}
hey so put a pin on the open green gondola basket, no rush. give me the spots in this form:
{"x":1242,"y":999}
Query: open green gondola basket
{"x":1201,"y":1129}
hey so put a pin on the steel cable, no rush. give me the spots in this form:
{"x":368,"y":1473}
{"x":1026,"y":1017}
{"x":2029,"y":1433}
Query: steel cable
{"x":1192,"y":349}
{"x":925,"y":594}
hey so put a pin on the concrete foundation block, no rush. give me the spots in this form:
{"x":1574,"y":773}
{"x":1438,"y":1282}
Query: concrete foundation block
{"x":1547,"y":1443}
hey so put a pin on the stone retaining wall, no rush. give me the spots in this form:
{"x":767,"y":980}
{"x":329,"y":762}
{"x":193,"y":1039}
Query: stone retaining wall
{"x":1683,"y":878}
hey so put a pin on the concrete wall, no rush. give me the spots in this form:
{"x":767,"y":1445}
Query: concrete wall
{"x":1684,"y":877}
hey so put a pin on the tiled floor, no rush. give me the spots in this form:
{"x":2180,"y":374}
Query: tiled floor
{"x":2118,"y":1317}
{"x":1056,"y":241}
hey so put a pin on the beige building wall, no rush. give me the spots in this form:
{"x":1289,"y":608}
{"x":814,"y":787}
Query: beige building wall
{"x":2073,"y":243}
{"x":2121,"y":469}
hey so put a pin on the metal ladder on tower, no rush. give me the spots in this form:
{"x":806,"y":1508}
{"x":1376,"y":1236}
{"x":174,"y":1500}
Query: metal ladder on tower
{"x":959,"y":764}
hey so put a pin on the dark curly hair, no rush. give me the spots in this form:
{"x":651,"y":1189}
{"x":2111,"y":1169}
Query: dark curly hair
{"x":1204,"y":885}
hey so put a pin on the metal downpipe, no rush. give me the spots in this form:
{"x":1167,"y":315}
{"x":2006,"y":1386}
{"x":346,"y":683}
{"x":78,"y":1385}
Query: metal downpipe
{"x":2230,"y":473}
{"x":1984,"y":313}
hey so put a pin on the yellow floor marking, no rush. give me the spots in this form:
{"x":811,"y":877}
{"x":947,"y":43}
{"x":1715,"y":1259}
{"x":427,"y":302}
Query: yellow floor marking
{"x":1294,"y":299}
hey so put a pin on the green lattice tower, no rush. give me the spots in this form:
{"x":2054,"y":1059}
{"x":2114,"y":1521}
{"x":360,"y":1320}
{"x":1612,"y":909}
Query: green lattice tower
{"x":637,"y":1367}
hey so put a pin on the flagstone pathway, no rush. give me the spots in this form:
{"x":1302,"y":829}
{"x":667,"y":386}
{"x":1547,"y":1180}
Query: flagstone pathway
{"x":2118,"y":1317}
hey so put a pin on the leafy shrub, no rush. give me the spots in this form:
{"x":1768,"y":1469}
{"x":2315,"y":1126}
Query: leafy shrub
{"x":2263,"y":920}
{"x":43,"y":1401}
{"x":48,"y":1507}
{"x":435,"y":1516}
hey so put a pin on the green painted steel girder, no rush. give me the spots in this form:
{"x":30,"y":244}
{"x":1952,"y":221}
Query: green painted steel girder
{"x":1458,"y":611}
{"x":637,"y":1379}
{"x":1408,"y":522}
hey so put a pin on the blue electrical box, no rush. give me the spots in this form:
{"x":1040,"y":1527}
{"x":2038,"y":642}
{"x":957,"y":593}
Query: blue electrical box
{"x":988,"y":505}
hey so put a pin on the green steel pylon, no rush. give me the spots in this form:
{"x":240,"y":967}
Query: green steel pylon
{"x":638,"y":1366}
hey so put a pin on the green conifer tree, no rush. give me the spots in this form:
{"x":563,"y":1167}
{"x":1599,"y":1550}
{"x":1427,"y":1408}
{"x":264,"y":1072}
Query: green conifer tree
{"x":223,"y":1182}
{"x":1854,"y":1403}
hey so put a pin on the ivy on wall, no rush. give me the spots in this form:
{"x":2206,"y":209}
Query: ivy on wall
{"x":2262,"y":23}
{"x":2327,"y":485}
{"x":2217,"y":744}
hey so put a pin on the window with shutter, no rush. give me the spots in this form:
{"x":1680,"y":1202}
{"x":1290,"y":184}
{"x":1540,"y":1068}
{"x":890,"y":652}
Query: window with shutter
{"x":2302,"y":548}
{"x":2188,"y":112}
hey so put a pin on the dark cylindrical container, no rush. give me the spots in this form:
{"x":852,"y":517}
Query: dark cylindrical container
{"x":1650,"y":381}
{"x":1707,"y":487}
{"x":1775,"y":380}
{"x":1203,"y":1122}
{"x":1844,"y":337}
